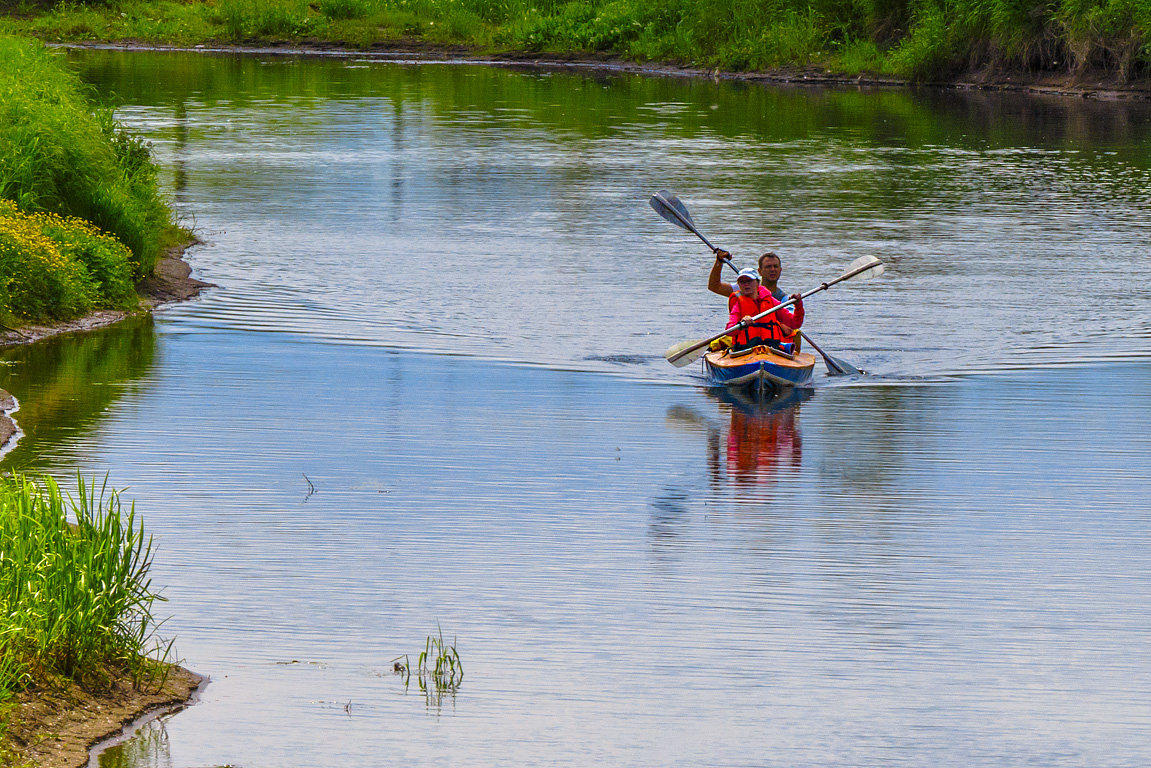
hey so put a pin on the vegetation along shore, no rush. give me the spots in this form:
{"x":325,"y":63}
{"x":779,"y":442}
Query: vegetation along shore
{"x":1104,"y":42}
{"x":78,"y":654}
{"x":86,"y":238}
{"x":82,"y":219}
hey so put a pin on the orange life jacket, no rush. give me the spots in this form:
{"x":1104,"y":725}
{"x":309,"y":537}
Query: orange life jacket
{"x":767,"y":330}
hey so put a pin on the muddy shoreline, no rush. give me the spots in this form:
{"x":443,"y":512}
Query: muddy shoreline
{"x":1091,"y":85}
{"x":58,"y":727}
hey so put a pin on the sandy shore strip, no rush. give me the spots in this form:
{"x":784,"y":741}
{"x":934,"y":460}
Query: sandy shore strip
{"x":55,"y":728}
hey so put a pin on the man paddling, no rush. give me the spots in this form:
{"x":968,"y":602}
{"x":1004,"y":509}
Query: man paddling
{"x":750,"y":299}
{"x":770,"y":268}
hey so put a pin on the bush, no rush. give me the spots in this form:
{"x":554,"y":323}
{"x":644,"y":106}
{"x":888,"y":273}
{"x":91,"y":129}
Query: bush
{"x":345,"y":9}
{"x":54,"y":268}
{"x":927,"y":52}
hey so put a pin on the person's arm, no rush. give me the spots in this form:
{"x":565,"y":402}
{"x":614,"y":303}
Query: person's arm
{"x":733,"y":316}
{"x":714,"y":282}
{"x":792,"y":318}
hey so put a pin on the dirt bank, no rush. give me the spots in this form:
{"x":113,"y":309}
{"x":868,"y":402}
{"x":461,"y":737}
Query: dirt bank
{"x":55,"y":728}
{"x":1098,"y":85}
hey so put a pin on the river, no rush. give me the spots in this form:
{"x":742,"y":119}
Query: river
{"x":429,"y":392}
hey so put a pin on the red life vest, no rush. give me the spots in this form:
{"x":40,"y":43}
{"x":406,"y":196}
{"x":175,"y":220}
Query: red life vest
{"x":767,"y":330}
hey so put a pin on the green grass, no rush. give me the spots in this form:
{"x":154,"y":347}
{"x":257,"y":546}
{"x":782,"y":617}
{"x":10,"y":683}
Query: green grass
{"x":61,"y":154}
{"x":916,"y":39}
{"x":76,"y":599}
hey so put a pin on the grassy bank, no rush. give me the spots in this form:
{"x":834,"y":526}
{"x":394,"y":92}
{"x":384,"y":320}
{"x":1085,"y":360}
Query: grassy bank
{"x":75,"y":596}
{"x":81,"y":214}
{"x":915,"y":39}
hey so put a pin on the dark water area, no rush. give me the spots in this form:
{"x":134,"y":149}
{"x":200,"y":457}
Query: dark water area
{"x":429,"y":391}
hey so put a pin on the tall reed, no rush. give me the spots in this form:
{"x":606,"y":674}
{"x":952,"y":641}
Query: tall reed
{"x":76,"y":597}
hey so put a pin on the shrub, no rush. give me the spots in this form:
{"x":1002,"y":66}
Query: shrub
{"x":345,"y":9}
{"x":926,"y":53}
{"x":53,"y":267}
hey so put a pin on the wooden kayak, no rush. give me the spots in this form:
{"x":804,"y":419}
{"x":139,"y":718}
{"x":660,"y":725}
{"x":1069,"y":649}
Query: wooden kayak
{"x":761,"y":368}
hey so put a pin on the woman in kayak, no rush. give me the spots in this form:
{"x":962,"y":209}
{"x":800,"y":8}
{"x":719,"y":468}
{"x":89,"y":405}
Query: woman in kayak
{"x":750,"y":299}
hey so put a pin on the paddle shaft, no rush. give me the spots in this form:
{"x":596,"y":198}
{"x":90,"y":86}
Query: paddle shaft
{"x":832,"y":364}
{"x":742,"y":324}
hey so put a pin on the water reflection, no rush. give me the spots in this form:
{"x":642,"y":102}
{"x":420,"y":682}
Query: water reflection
{"x":751,"y":440}
{"x":148,"y":748}
{"x":67,"y":385}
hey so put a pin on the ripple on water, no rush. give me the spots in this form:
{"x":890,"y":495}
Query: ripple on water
{"x":950,"y":573}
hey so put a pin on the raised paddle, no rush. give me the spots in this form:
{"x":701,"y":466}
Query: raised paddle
{"x":686,"y":352}
{"x":671,"y":208}
{"x":668,"y":206}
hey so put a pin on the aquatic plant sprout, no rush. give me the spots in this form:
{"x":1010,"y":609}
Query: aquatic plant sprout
{"x":438,"y":670}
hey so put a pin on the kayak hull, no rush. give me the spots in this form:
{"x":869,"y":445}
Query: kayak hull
{"x":762,"y":368}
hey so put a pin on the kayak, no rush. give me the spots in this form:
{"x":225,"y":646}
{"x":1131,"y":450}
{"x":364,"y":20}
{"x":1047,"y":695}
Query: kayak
{"x":762,"y":368}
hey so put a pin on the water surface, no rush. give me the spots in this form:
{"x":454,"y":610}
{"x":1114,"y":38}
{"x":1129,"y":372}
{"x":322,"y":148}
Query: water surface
{"x":430,"y":390}
{"x":480,"y":211}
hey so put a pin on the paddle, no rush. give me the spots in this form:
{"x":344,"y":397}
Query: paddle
{"x":686,"y":352}
{"x":668,"y":206}
{"x":671,"y":208}
{"x":835,"y":366}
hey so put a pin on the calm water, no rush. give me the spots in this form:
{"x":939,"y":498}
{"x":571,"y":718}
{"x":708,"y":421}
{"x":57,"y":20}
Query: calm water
{"x":430,"y":389}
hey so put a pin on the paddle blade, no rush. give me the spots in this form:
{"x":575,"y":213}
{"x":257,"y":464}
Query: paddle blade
{"x":683,"y":354}
{"x":668,"y":206}
{"x":865,"y":267}
{"x":837,"y":367}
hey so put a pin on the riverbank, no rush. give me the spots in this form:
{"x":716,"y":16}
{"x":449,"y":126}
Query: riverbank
{"x":79,"y":655}
{"x":963,"y":42}
{"x":57,"y":727}
{"x":55,"y":723}
{"x":170,"y":282}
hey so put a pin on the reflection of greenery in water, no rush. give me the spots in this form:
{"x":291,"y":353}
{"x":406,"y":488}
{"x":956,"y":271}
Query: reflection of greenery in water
{"x":580,"y":104}
{"x":65,"y":384}
{"x":148,"y":748}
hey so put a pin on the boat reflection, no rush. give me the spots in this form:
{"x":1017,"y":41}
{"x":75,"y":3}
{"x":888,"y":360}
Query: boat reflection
{"x":753,"y":439}
{"x":762,"y":437}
